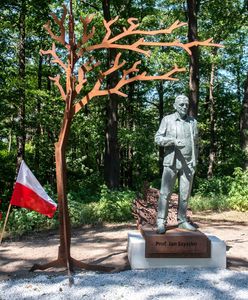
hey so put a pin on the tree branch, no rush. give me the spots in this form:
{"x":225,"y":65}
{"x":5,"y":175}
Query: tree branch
{"x":56,"y":79}
{"x":116,"y":66}
{"x":131,"y":31}
{"x":86,"y":37}
{"x":143,"y":77}
{"x":81,"y":80}
{"x":85,"y":68}
{"x":135,"y":46}
{"x":88,"y":66}
{"x":93,"y":93}
{"x":56,"y":59}
{"x":123,"y":81}
{"x":107,"y":26}
{"x":108,"y":42}
{"x":96,"y":89}
{"x":59,"y":38}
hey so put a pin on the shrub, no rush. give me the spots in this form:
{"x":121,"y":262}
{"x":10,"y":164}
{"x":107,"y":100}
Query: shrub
{"x":213,"y":186}
{"x":81,"y":214}
{"x":115,"y":206}
{"x":22,"y":220}
{"x":238,"y":194}
{"x":222,"y":193}
{"x":201,"y":203}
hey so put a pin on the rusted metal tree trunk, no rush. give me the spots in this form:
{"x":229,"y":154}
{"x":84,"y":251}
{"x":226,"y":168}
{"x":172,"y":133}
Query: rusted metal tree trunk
{"x":64,"y":221}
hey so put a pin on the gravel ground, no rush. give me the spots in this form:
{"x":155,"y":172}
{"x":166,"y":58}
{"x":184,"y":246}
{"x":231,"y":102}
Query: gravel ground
{"x":176,"y":283}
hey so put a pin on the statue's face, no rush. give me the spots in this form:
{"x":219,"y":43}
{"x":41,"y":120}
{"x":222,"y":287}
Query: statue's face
{"x":182,"y":105}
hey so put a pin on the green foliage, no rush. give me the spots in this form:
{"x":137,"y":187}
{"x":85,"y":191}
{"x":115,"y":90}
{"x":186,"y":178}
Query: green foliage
{"x":203,"y":203}
{"x":238,"y":194}
{"x":22,"y":220}
{"x":228,"y":192}
{"x":115,"y":206}
{"x":81,"y":214}
{"x":213,"y":186}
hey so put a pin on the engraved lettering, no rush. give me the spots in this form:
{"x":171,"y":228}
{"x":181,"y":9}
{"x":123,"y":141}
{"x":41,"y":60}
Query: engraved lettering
{"x":161,"y":243}
{"x":187,"y":244}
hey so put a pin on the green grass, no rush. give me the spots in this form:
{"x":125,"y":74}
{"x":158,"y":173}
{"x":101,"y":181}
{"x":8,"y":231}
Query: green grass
{"x":202,"y":203}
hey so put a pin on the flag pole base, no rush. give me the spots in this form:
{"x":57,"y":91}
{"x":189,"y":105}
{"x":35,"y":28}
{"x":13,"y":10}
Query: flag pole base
{"x":73,"y":264}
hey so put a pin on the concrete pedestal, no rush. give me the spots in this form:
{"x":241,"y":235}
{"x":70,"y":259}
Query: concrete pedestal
{"x":137,"y":259}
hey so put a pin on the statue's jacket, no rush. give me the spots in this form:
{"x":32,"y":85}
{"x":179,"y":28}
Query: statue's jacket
{"x":167,"y":133}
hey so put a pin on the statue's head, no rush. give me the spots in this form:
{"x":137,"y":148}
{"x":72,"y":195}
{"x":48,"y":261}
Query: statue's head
{"x":181,"y":105}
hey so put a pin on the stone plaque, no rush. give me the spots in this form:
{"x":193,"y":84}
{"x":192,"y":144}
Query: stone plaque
{"x":176,"y":243}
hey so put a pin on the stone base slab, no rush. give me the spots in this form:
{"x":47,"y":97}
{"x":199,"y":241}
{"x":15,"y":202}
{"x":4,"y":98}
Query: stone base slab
{"x":137,"y":259}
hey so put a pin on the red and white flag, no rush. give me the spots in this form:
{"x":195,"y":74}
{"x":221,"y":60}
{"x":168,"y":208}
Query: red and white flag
{"x":29,"y":193}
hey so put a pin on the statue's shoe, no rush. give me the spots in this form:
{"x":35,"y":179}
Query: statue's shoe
{"x":161,"y":229}
{"x":186,"y":225}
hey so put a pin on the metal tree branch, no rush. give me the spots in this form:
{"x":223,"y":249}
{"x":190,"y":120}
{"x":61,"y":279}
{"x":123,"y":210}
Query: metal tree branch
{"x":56,"y":79}
{"x":141,"y":42}
{"x":60,"y":22}
{"x":56,"y":59}
{"x":108,"y":42}
{"x":89,"y":65}
{"x":86,"y":37}
{"x":81,"y":80}
{"x":96,"y":91}
{"x":131,"y":29}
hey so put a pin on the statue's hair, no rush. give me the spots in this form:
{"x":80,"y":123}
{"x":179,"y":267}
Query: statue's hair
{"x":181,"y":97}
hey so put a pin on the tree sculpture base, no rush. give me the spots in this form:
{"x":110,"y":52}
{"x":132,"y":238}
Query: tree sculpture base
{"x":71,"y":265}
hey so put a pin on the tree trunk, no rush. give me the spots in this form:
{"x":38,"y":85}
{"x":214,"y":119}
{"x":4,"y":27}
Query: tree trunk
{"x":21,"y":133}
{"x":244,"y":124}
{"x":111,"y":156}
{"x":212,"y":151}
{"x":64,"y":220}
{"x":160,"y":89}
{"x":238,"y":70}
{"x":38,"y":126}
{"x":194,"y":58}
{"x":130,"y":125}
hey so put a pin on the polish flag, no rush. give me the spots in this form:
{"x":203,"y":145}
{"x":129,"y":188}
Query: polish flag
{"x":28,"y":193}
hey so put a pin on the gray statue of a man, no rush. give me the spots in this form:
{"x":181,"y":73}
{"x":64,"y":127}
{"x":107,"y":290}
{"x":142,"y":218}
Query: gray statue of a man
{"x":178,"y":135}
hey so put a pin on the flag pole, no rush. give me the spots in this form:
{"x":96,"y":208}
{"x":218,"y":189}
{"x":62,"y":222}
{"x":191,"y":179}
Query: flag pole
{"x":5,"y":222}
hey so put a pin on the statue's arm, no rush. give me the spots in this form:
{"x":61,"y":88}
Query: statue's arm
{"x":160,"y":137}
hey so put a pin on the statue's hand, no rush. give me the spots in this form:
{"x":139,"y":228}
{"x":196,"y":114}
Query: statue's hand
{"x":179,"y":143}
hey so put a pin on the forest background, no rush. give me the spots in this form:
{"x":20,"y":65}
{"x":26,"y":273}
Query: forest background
{"x":111,"y":151}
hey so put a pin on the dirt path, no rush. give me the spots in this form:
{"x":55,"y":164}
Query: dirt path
{"x":232,"y":227}
{"x":107,"y":244}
